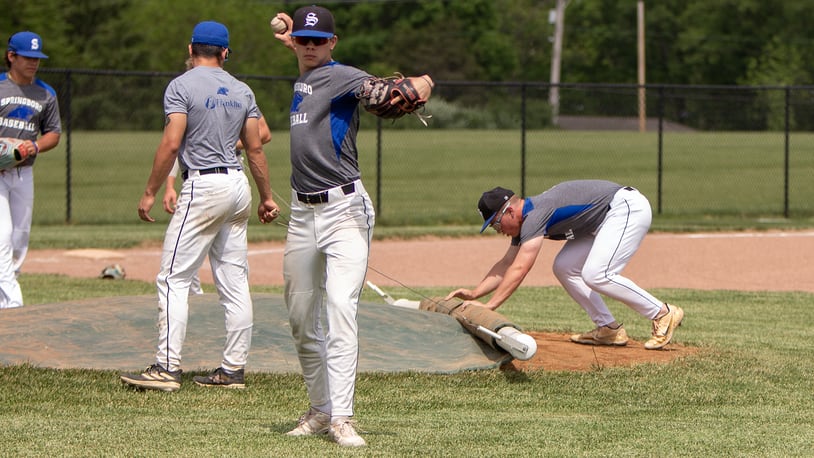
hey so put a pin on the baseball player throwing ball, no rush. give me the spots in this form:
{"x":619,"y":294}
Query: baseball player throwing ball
{"x":331,"y":223}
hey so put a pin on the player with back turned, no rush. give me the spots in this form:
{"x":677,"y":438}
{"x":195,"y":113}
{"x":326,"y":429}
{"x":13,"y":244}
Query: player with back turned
{"x":331,"y":225}
{"x":207,"y":110}
{"x":29,"y":109}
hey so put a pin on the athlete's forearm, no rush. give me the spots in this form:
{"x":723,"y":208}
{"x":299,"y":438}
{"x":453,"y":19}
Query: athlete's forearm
{"x":47,"y":142}
{"x":258,"y":167}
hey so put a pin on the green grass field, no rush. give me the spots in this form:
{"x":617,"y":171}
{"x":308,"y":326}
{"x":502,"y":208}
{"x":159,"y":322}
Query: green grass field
{"x":746,"y":393}
{"x":435,"y":177}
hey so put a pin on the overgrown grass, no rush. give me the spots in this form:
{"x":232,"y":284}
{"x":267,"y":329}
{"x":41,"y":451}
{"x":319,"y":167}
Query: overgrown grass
{"x":746,"y":393}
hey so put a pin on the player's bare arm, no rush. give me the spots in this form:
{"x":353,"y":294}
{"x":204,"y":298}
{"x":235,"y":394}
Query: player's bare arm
{"x":265,"y":133}
{"x":515,"y":274}
{"x":268,"y":210}
{"x":170,"y":195}
{"x":491,"y":281}
{"x":165,"y":155}
{"x":47,"y":142}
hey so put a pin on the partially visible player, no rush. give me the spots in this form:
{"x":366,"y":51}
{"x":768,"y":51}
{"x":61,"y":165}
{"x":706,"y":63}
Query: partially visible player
{"x":207,"y":110}
{"x":30,"y":112}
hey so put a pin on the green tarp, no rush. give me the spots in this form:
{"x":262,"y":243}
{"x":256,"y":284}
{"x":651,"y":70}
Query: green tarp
{"x":119,"y":333}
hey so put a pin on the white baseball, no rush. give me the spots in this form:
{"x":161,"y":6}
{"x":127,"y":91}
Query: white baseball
{"x":278,"y":25}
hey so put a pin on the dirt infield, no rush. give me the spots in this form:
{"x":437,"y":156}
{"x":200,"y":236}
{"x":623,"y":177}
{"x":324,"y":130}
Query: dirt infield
{"x":747,"y":261}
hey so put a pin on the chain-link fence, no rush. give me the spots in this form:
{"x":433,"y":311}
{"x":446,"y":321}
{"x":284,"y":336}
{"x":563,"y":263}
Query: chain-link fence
{"x":693,"y":150}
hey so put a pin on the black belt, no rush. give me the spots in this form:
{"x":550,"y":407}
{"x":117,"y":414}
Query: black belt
{"x":322,"y":197}
{"x":222,"y":170}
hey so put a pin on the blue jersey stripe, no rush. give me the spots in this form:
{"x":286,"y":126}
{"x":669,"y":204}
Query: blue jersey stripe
{"x":563,"y":213}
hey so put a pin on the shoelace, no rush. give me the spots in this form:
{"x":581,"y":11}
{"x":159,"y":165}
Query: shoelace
{"x":343,"y":428}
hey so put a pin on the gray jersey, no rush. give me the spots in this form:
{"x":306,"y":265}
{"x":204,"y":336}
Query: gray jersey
{"x":324,"y":122}
{"x":568,"y":210}
{"x":217,"y":105}
{"x":27,"y":111}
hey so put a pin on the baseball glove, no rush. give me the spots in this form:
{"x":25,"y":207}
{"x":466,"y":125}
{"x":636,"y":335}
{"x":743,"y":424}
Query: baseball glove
{"x":113,"y":272}
{"x":396,"y":96}
{"x":10,"y":154}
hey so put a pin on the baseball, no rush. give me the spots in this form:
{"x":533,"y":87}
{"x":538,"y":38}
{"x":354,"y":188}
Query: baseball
{"x":278,"y":25}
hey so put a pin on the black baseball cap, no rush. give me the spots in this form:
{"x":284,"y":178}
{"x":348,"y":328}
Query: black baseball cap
{"x":491,"y":202}
{"x":313,"y":21}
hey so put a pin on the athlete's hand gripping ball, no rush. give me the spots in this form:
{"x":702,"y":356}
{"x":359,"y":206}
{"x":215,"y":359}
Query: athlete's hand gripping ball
{"x":281,"y":25}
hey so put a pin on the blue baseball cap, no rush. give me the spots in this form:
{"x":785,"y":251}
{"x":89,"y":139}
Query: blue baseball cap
{"x":26,"y":44}
{"x":313,"y":21}
{"x":211,"y":33}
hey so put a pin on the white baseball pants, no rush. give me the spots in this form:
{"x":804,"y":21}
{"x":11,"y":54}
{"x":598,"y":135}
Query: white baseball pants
{"x":589,"y":267}
{"x":211,"y":218}
{"x":16,"y":211}
{"x":324,"y":267}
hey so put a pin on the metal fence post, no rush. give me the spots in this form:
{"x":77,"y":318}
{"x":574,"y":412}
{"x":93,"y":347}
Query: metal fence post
{"x":660,"y":171}
{"x":379,"y":167}
{"x":68,"y":131}
{"x":786,"y":152}
{"x":523,"y":139}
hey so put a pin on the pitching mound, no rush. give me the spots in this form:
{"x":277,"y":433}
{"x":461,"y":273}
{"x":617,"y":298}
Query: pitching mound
{"x":556,"y":352}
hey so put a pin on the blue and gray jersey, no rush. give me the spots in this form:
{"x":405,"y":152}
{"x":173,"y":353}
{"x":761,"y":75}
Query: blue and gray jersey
{"x":217,"y":106}
{"x":27,"y":111}
{"x":324,"y":122}
{"x":567,"y":211}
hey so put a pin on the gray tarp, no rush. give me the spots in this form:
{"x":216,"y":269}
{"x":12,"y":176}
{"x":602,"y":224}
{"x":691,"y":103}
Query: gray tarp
{"x":120,"y":333}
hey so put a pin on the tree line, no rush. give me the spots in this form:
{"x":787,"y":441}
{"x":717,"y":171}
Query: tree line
{"x":720,"y":42}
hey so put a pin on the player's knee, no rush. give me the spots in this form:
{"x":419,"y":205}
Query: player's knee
{"x":565,"y":270}
{"x":596,"y":279}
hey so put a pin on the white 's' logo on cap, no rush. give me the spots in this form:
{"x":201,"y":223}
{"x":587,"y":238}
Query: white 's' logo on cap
{"x":35,"y":44}
{"x":311,"y":19}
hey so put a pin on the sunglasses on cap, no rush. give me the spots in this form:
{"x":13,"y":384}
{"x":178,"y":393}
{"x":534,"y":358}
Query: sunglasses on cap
{"x":303,"y":41}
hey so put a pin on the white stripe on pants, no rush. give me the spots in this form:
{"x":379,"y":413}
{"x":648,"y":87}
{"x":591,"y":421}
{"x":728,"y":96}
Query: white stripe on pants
{"x":591,"y":266}
{"x":324,"y":267}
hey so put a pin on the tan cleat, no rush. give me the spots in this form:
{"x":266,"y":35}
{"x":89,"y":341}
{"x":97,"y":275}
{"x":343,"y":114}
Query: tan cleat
{"x":663,"y":327}
{"x":342,"y":432}
{"x":311,"y":423}
{"x":602,"y":335}
{"x":154,"y":377}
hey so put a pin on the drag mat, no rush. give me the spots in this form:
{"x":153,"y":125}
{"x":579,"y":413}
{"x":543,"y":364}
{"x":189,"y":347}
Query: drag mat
{"x":120,"y":333}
